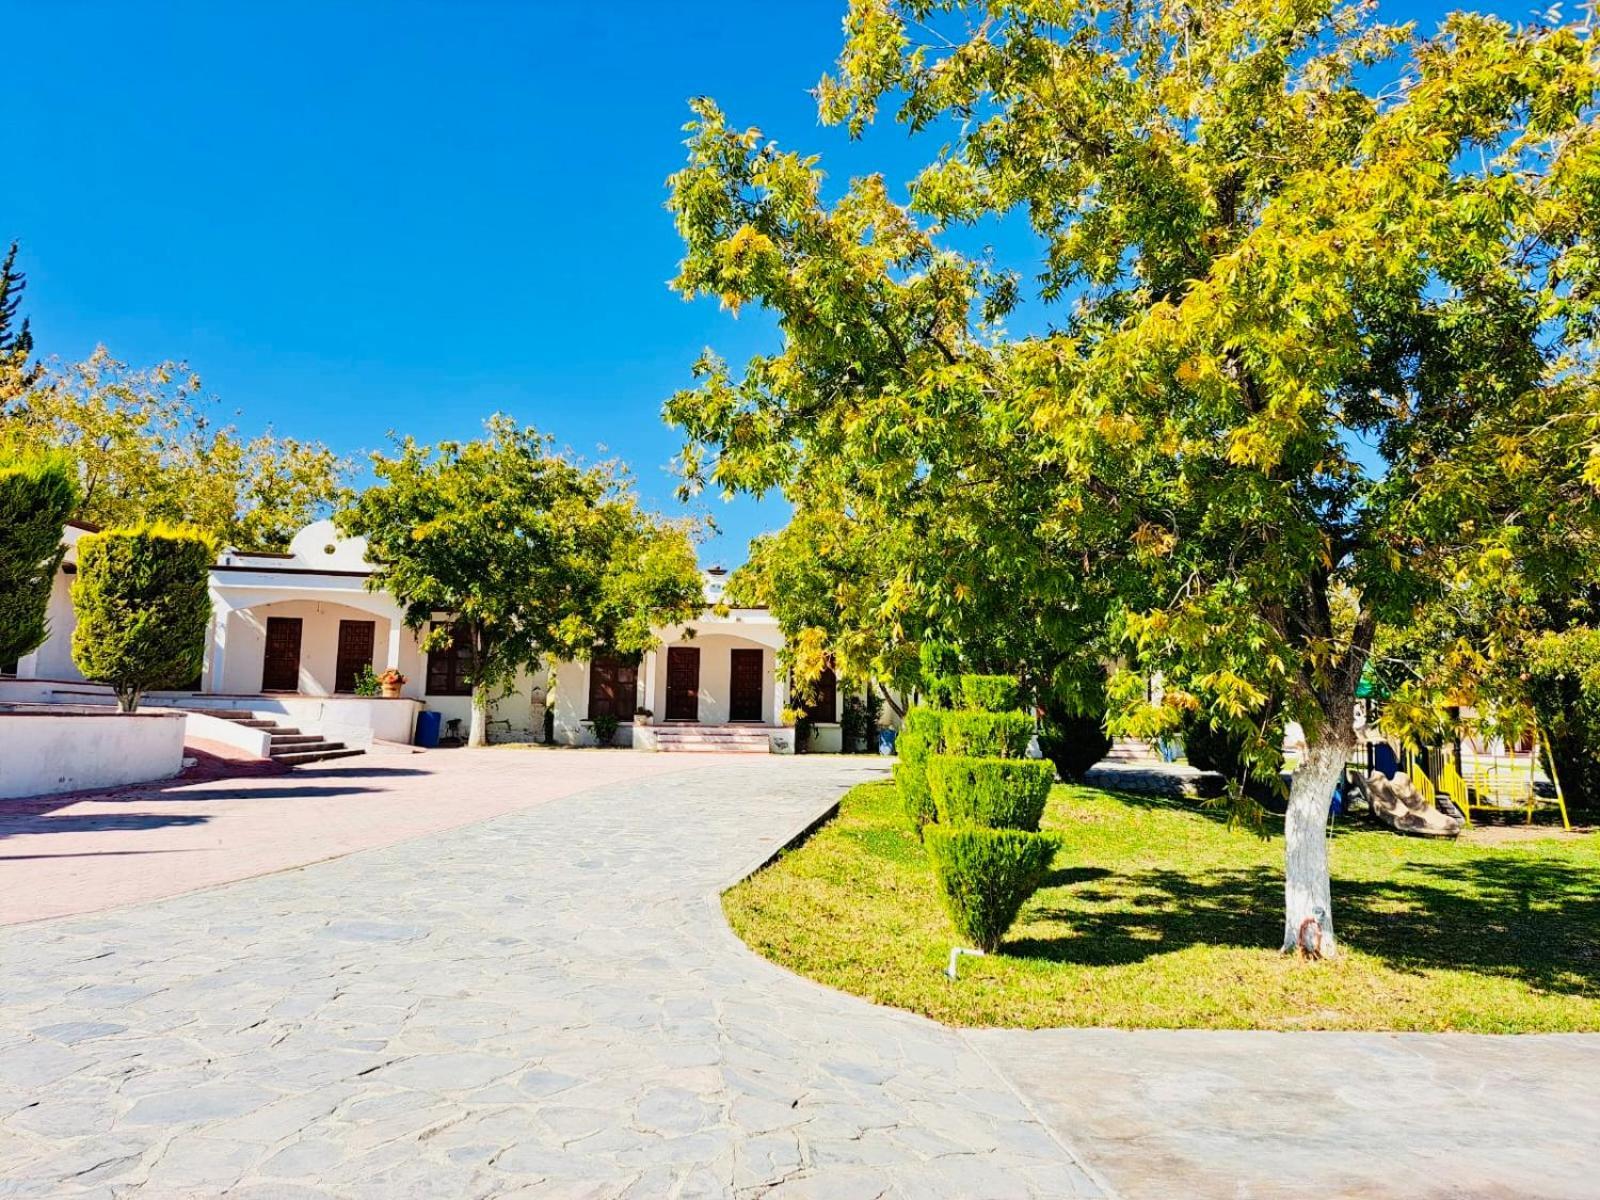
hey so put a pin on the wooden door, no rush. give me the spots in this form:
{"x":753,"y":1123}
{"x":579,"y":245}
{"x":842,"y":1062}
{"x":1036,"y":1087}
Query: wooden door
{"x":744,"y":685}
{"x":823,"y":707}
{"x":280,"y":665}
{"x":683,"y":683}
{"x":355,"y":652}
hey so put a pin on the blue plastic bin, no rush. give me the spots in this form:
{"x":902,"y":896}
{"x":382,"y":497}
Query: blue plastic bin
{"x":886,"y":740}
{"x":428,"y":724}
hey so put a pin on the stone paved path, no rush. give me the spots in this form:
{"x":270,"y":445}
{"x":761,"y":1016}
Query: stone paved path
{"x":543,"y":1004}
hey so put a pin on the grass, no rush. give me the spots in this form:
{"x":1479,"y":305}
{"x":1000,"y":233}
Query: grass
{"x":1156,"y":914}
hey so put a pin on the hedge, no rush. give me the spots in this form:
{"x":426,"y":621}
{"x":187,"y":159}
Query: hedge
{"x":987,"y":735}
{"x":921,"y":735}
{"x":37,"y":495}
{"x":990,"y":693}
{"x":992,"y":793}
{"x":986,"y":875}
{"x":143,"y":604}
{"x":1073,"y":743}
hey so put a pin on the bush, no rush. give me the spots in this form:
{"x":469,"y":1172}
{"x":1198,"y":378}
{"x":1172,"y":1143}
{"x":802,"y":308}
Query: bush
{"x":986,"y":875}
{"x":605,"y":729}
{"x":1073,"y":744}
{"x":992,"y":793}
{"x":1563,"y":682}
{"x":143,"y":605}
{"x":987,"y":735}
{"x":37,"y":495}
{"x":921,"y":735}
{"x":990,"y":693}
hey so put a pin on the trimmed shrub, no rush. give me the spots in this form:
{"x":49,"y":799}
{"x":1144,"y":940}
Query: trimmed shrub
{"x":990,"y":693}
{"x":986,"y":875}
{"x":1073,"y":744}
{"x":987,"y":735}
{"x":143,"y":605}
{"x":921,"y":735}
{"x":992,"y":793}
{"x":605,"y":729}
{"x":37,"y":495}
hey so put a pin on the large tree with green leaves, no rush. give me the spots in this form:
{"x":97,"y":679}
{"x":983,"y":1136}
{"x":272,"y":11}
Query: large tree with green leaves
{"x":533,"y":556}
{"x":37,"y":496}
{"x":1324,"y":346}
{"x":18,"y":371}
{"x":149,"y":449}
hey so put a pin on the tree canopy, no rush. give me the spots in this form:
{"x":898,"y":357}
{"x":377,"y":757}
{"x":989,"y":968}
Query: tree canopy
{"x":37,"y":496}
{"x":1319,"y":359}
{"x":529,"y":554}
{"x":148,"y":448}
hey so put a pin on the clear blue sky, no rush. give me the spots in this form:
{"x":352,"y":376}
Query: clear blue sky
{"x":357,"y":217}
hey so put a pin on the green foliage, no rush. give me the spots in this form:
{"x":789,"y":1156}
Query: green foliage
{"x":605,"y":729}
{"x":367,"y":682}
{"x":1073,"y":742}
{"x":1329,"y":361}
{"x":143,"y":607}
{"x":987,"y":734}
{"x":992,"y":793}
{"x":147,"y":449}
{"x":1563,"y":682}
{"x":990,"y":693}
{"x":17,"y":374}
{"x":535,"y":555}
{"x":986,"y":875}
{"x":921,"y":735}
{"x":37,"y":496}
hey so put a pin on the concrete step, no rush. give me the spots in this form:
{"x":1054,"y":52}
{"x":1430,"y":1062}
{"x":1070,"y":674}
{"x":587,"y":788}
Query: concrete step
{"x":322,"y":754}
{"x":281,"y":737}
{"x":224,"y":714}
{"x":712,"y":748}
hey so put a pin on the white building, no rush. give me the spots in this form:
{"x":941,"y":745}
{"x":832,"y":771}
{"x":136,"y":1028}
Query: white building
{"x":291,"y":632}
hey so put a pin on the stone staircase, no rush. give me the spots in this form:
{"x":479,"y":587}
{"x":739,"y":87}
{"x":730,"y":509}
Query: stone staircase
{"x":718,"y":739}
{"x":1131,"y":750}
{"x":289,"y":745}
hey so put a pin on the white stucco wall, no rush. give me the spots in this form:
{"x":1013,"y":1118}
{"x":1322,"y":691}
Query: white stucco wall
{"x":716,"y":663}
{"x":516,"y":714}
{"x":246,"y":634}
{"x":43,"y":753}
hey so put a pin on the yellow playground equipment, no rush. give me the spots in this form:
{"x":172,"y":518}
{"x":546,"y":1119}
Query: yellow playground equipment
{"x":1491,"y":781}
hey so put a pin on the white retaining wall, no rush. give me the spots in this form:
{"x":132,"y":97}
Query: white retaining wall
{"x":59,"y":749}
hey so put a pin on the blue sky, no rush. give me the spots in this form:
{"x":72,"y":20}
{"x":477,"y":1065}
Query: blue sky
{"x":357,"y":217}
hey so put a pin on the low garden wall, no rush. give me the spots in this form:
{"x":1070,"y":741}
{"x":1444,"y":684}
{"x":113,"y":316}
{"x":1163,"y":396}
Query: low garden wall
{"x":47,"y":749}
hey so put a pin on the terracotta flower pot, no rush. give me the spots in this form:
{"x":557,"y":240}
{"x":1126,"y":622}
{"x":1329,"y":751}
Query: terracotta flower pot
{"x":391,"y":691}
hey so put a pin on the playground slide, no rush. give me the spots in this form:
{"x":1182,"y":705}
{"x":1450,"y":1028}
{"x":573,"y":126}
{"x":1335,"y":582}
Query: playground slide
{"x":1398,"y":804}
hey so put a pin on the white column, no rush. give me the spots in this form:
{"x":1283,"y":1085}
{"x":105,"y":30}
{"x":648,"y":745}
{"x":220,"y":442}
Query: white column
{"x":396,"y":630}
{"x":780,"y":695}
{"x":218,"y":653}
{"x":649,"y":700}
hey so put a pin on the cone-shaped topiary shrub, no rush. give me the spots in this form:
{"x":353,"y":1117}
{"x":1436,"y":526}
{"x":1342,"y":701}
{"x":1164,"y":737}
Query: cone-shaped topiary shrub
{"x":993,"y":793}
{"x":143,"y":605}
{"x":990,"y":693}
{"x":986,"y":734}
{"x":921,"y":735}
{"x":986,"y":875}
{"x":37,"y":495}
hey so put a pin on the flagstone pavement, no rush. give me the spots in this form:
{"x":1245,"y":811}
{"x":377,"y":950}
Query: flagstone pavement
{"x":548,"y":1003}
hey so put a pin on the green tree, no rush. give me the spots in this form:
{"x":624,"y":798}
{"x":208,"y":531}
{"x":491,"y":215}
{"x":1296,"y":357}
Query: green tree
{"x":143,"y":602}
{"x":17,"y":373}
{"x":37,"y":496}
{"x":1325,"y":348}
{"x":148,"y":449}
{"x":536,"y":557}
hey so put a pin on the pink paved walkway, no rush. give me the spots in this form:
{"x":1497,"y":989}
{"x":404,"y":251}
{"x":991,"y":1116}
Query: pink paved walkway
{"x":62,"y":855}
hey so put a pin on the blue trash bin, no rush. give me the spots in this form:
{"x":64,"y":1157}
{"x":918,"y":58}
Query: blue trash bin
{"x":886,"y":739}
{"x":428,"y":728}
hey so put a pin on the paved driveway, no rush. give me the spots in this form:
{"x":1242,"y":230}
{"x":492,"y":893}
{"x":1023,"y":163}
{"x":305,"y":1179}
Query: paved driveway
{"x":544,"y":1004}
{"x":548,"y":1004}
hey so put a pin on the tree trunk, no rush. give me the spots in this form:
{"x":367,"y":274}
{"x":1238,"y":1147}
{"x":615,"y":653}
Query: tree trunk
{"x":479,"y":733}
{"x":1308,"y":899}
{"x":128,"y":697}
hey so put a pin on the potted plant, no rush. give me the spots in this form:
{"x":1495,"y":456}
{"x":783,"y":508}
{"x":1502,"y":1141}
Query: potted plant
{"x":641,"y":716}
{"x":605,"y":729}
{"x":391,"y":681}
{"x":367,"y":682}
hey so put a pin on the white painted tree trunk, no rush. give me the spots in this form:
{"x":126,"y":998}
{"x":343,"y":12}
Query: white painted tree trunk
{"x":478,"y":735}
{"x":1308,"y":898}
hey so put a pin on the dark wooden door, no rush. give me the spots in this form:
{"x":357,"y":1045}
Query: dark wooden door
{"x":823,"y":707}
{"x":744,"y":685}
{"x":683,"y":683}
{"x":355,"y":652}
{"x":280,"y":666}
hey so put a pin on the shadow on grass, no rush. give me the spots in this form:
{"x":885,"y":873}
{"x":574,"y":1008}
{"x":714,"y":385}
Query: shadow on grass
{"x":1537,"y":922}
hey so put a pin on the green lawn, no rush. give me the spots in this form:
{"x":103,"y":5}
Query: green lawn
{"x":1158,"y":915}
